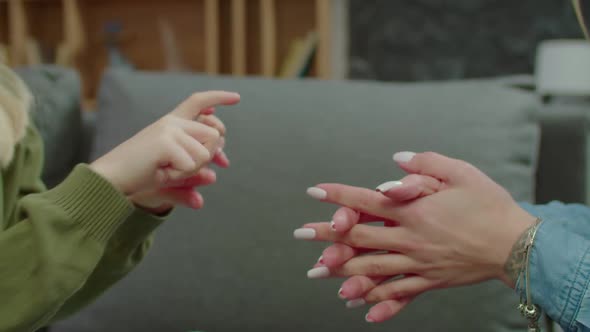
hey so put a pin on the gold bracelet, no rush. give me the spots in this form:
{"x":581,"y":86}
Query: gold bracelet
{"x":527,"y":308}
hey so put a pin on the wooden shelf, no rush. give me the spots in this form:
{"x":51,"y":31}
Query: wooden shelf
{"x":235,"y":37}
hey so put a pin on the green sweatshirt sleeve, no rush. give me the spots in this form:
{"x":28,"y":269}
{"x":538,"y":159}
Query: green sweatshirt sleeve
{"x":62,"y":248}
{"x":53,"y":246}
{"x":124,"y":251}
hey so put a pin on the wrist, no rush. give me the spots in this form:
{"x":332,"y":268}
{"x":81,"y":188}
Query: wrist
{"x":514,"y":247}
{"x":101,"y":168}
{"x":157,"y":211}
{"x":150,"y":203}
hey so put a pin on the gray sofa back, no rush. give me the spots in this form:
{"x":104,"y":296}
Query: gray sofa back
{"x":234,"y":266}
{"x":56,"y":113}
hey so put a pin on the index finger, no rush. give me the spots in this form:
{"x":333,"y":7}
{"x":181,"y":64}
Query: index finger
{"x":360,"y":199}
{"x":200,"y":101}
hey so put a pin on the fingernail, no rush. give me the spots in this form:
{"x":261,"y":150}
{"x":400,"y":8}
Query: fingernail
{"x":333,"y":225}
{"x":387,"y":186}
{"x":317,"y":193}
{"x":369,"y":319}
{"x":403,"y":157}
{"x":321,"y":260}
{"x":318,"y":272}
{"x":304,"y":234}
{"x":341,"y":294}
{"x":355,"y":303}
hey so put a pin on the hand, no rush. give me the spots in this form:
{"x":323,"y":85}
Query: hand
{"x":357,"y":289}
{"x":173,"y":148}
{"x":182,"y":192}
{"x":461,"y":235}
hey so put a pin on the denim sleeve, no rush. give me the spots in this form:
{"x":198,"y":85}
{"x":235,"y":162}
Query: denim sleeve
{"x":559,"y":267}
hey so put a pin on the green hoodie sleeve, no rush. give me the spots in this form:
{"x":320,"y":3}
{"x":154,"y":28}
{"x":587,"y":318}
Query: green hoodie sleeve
{"x":61,"y":248}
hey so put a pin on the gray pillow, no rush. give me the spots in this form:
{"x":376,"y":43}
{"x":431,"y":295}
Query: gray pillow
{"x":56,"y":113}
{"x":234,"y":266}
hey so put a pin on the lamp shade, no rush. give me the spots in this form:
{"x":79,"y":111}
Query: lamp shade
{"x":563,"y":68}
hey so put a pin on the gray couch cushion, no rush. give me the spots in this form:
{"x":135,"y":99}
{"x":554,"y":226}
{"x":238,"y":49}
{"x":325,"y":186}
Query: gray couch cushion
{"x":234,"y":266}
{"x":57,"y":115}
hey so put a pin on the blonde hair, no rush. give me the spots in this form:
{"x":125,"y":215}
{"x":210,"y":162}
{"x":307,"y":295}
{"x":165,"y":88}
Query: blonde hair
{"x":15,"y":101}
{"x":578,"y":8}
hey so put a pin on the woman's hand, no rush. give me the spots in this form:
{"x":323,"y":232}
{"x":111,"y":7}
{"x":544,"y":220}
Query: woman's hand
{"x":460,"y":235}
{"x":172,"y":149}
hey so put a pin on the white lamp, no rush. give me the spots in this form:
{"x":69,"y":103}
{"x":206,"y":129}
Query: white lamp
{"x":563,"y":68}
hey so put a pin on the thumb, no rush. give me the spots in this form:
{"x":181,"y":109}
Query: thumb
{"x":203,"y":101}
{"x":432,"y":164}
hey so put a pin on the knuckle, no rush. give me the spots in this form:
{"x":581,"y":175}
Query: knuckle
{"x":205,"y":154}
{"x":215,"y":134}
{"x":392,"y":292}
{"x":385,"y":293}
{"x":357,"y":237}
{"x":195,"y":97}
{"x":166,"y":128}
{"x":377,"y":295}
{"x":364,"y":202}
{"x":375,"y":268}
{"x":166,"y":138}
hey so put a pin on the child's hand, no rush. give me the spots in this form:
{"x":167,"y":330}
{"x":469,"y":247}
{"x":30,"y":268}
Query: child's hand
{"x":182,"y":192}
{"x":172,"y":149}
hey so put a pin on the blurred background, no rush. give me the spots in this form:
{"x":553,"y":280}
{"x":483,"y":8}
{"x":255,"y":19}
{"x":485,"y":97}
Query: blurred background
{"x":401,"y":40}
{"x":436,"y":39}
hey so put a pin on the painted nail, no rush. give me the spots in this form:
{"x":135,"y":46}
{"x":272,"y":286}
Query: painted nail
{"x":318,"y":272}
{"x":321,"y":260}
{"x":304,"y":234}
{"x":387,"y":186}
{"x":355,"y":303}
{"x":369,"y":319}
{"x":333,"y":225}
{"x":341,"y":294}
{"x":317,"y":193}
{"x":403,"y":157}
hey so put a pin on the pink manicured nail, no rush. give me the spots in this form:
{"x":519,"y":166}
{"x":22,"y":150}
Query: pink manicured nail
{"x":321,"y":260}
{"x":341,"y":294}
{"x":403,"y":157}
{"x":304,"y":234}
{"x":387,"y":186}
{"x":369,"y":319}
{"x":355,"y":303}
{"x":333,"y":225}
{"x":317,"y":193}
{"x":318,"y":272}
